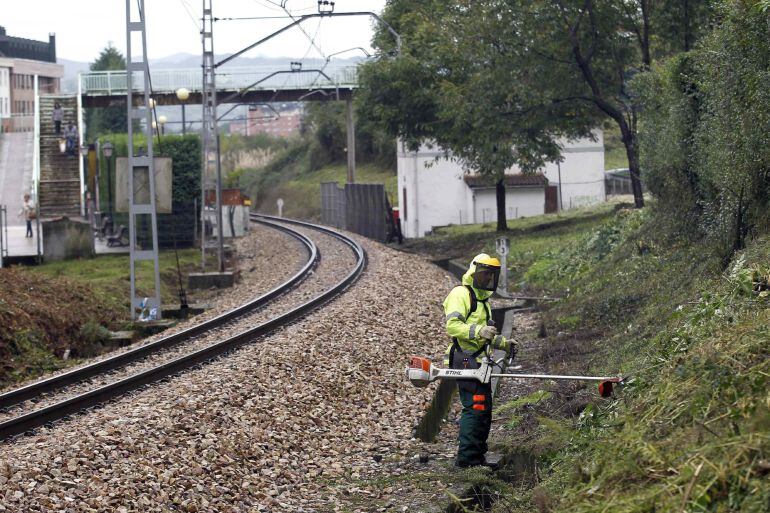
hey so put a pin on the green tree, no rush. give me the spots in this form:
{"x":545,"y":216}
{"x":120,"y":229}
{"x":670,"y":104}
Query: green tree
{"x":704,"y":137}
{"x":498,"y":81}
{"x":457,"y":83}
{"x":585,"y":52}
{"x":110,"y":119}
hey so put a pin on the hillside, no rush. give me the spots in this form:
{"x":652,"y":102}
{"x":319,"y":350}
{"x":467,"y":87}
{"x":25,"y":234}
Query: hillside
{"x":691,"y":430}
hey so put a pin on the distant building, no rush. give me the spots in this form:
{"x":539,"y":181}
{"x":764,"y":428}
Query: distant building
{"x":260,"y":120}
{"x":440,"y":192}
{"x":22,"y":60}
{"x":6,"y":65}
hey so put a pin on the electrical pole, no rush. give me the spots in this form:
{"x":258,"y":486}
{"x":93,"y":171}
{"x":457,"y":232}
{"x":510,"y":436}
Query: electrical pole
{"x":351,"y":129}
{"x":211,"y":171}
{"x":140,"y":167}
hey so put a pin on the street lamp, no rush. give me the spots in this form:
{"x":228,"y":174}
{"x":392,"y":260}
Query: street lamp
{"x":162,"y":120}
{"x":107,"y":151}
{"x":182,"y":95}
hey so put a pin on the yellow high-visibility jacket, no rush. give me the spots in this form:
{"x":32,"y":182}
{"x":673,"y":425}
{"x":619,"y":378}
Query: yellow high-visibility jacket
{"x":464,"y":325}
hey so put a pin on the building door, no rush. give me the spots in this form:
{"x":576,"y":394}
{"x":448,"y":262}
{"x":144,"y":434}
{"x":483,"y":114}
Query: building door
{"x":551,"y":199}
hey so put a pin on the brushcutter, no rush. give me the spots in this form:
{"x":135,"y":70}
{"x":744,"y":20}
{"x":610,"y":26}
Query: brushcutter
{"x":421,"y":372}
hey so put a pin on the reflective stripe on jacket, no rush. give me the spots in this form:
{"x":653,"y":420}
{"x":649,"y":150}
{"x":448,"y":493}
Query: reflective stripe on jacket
{"x":463,"y":324}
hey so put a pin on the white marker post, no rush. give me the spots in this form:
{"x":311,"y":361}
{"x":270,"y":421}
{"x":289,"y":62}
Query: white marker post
{"x":280,"y":207}
{"x":502,"y":244}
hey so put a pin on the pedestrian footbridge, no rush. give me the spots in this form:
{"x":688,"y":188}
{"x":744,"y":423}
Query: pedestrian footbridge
{"x":234,"y":85}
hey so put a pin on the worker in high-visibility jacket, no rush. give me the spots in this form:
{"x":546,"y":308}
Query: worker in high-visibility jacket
{"x":469,"y":323}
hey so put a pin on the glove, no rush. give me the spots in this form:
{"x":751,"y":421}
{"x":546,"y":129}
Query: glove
{"x":488,"y":332}
{"x":512,"y":348}
{"x":499,"y":342}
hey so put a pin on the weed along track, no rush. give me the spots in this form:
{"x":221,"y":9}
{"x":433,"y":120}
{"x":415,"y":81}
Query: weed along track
{"x":334,"y":262}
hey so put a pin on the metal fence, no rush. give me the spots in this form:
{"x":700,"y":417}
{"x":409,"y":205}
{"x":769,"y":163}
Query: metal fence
{"x":333,"y":205}
{"x":360,"y":208}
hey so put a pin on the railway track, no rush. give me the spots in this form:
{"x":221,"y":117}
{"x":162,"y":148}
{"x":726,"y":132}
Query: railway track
{"x":187,"y":359}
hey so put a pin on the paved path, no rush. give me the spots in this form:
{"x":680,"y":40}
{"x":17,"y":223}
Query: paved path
{"x":15,"y":172}
{"x":18,"y":244}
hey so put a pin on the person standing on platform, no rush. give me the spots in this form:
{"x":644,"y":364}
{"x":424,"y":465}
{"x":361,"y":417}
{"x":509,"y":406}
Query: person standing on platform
{"x":29,"y":214}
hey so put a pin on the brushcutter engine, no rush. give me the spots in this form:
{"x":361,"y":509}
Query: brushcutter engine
{"x":421,"y":372}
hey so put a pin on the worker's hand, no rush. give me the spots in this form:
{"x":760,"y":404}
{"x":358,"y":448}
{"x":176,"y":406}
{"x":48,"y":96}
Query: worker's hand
{"x":488,"y":332}
{"x":512,"y":349}
{"x":499,"y":342}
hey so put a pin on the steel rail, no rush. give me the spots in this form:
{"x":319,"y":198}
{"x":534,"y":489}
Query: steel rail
{"x":113,"y":390}
{"x":117,"y":361}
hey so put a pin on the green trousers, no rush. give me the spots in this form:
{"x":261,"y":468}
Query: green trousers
{"x":475,"y":422}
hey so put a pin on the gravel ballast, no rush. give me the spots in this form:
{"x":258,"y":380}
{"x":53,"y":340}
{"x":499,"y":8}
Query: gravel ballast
{"x":336,"y":258}
{"x":289,"y":423}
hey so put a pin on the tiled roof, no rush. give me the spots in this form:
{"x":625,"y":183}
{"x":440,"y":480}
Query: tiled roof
{"x":512,"y":180}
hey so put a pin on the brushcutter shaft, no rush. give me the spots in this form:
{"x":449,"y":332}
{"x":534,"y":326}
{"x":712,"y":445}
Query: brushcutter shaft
{"x":613,"y":379}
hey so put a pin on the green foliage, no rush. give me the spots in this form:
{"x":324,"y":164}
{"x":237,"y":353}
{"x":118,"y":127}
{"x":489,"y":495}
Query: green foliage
{"x":533,"y":398}
{"x":559,"y":267}
{"x":703,"y":143}
{"x":497,"y":82}
{"x":326,"y":133}
{"x":105,"y":120}
{"x":185,"y":152}
{"x":691,"y":427}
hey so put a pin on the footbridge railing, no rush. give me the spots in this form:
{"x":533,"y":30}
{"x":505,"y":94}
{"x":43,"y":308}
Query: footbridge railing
{"x":112,"y":83}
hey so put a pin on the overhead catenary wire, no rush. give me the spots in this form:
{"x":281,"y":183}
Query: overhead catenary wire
{"x":188,"y":10}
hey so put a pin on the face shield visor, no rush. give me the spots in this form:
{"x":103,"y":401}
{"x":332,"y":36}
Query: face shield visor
{"x":486,"y":277}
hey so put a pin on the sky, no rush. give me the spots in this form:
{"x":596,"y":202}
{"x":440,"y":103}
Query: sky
{"x":84,"y":27}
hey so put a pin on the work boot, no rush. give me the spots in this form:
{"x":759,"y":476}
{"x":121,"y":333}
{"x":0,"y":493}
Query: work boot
{"x":492,"y":461}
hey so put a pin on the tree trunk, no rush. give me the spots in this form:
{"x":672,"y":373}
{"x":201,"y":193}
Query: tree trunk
{"x":629,"y":141}
{"x":686,"y":22}
{"x":502,"y":223}
{"x":646,"y":58}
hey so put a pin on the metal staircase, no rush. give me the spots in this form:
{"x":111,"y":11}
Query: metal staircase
{"x":59,"y":193}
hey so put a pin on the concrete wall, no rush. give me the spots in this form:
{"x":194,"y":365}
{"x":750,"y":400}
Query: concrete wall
{"x":240,"y":220}
{"x":519,"y":202}
{"x":64,"y":239}
{"x":582,"y":172}
{"x":436,"y":194}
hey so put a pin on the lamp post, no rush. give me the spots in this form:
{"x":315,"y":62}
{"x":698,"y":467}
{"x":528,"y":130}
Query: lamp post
{"x":162,"y":121}
{"x":182,"y":95}
{"x":107,"y":151}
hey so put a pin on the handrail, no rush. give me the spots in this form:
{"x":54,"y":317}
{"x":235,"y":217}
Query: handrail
{"x":110,"y":83}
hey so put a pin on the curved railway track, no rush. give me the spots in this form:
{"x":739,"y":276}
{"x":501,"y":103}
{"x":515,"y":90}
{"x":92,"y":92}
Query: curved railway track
{"x":104,"y":393}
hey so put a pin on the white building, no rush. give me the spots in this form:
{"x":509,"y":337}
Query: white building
{"x":6,"y":65}
{"x":439,"y":192}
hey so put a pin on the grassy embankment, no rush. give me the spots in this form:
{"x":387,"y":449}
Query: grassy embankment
{"x":691,"y":430}
{"x":614,"y":152}
{"x":48,"y":309}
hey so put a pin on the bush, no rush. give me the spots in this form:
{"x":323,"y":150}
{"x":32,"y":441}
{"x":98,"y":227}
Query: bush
{"x":703,"y":139}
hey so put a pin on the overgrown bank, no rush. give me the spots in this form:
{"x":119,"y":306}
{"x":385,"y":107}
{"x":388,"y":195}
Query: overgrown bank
{"x":691,"y":430}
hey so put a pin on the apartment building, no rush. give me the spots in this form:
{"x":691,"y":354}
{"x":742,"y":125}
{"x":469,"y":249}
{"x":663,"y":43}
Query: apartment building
{"x":21,"y":60}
